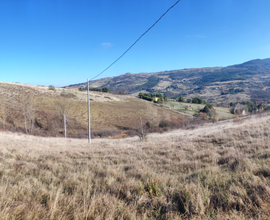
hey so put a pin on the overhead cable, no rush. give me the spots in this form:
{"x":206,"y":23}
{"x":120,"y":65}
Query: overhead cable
{"x":136,"y":40}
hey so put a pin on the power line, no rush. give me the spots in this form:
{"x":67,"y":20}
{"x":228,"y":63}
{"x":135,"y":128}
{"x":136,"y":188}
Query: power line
{"x":137,"y":40}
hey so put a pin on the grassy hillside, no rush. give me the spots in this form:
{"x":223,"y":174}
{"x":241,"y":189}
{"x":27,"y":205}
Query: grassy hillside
{"x":213,"y":172}
{"x":193,"y":109}
{"x":108,"y":111}
{"x":249,"y":81}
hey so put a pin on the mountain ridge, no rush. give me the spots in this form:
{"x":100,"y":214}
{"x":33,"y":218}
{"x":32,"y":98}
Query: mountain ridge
{"x":251,"y":77}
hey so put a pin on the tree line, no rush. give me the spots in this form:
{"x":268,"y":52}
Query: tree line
{"x":105,"y":89}
{"x":156,"y":97}
{"x":194,"y":100}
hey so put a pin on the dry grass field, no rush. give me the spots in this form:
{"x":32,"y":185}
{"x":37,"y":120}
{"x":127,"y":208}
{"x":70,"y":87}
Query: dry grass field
{"x":219,"y":171}
{"x":108,"y":111}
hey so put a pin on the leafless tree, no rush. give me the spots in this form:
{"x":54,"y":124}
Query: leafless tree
{"x":145,"y":123}
{"x":3,"y":110}
{"x":142,"y":129}
{"x":63,"y":107}
{"x":28,"y":110}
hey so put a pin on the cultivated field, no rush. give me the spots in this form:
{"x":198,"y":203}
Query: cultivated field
{"x":219,"y":171}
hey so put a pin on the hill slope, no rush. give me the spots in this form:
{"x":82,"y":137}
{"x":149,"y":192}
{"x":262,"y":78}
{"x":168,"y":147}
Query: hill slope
{"x":22,"y":106}
{"x":212,"y":172}
{"x":249,"y":81}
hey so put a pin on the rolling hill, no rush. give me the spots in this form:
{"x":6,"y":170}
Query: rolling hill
{"x":216,"y":171}
{"x":249,"y":81}
{"x":41,"y":110}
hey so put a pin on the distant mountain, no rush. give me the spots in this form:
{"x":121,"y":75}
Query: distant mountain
{"x":256,"y":65}
{"x":249,"y":81}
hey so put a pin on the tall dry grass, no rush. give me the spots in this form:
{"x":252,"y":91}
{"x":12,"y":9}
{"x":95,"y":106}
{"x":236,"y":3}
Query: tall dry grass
{"x":223,"y":175}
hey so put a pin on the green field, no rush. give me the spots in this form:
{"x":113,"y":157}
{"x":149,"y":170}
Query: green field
{"x":222,"y":113}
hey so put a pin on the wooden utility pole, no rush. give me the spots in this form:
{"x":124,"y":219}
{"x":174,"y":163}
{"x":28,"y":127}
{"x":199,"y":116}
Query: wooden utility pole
{"x":89,"y":128}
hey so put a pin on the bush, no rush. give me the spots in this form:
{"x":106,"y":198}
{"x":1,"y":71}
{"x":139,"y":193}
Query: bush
{"x":131,"y":133}
{"x":165,"y":124}
{"x":95,"y":89}
{"x":103,"y":134}
{"x":105,"y":89}
{"x":68,"y":95}
{"x":197,"y":100}
{"x":51,"y":87}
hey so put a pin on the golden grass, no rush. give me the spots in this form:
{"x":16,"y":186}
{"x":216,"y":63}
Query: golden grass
{"x":213,"y":174}
{"x":108,"y":111}
{"x":114,"y":115}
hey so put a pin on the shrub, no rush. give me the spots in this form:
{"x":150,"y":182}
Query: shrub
{"x":103,"y":134}
{"x":164,"y":124}
{"x":105,"y":89}
{"x":68,"y":95}
{"x":197,"y":100}
{"x":131,"y":133}
{"x":51,"y":87}
{"x":95,"y":89}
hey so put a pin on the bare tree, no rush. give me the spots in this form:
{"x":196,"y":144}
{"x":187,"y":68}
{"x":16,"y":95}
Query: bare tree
{"x":144,"y":126}
{"x":64,"y":106}
{"x":142,"y":129}
{"x":28,"y":111}
{"x":3,"y":110}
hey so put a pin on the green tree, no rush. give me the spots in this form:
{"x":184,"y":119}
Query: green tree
{"x":197,"y":100}
{"x":181,"y":99}
{"x":105,"y":89}
{"x":206,"y":110}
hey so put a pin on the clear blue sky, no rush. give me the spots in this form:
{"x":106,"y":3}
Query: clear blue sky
{"x":62,"y":42}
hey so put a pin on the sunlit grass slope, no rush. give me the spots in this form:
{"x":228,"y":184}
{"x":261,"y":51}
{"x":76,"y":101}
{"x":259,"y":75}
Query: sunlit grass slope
{"x":222,"y":174}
